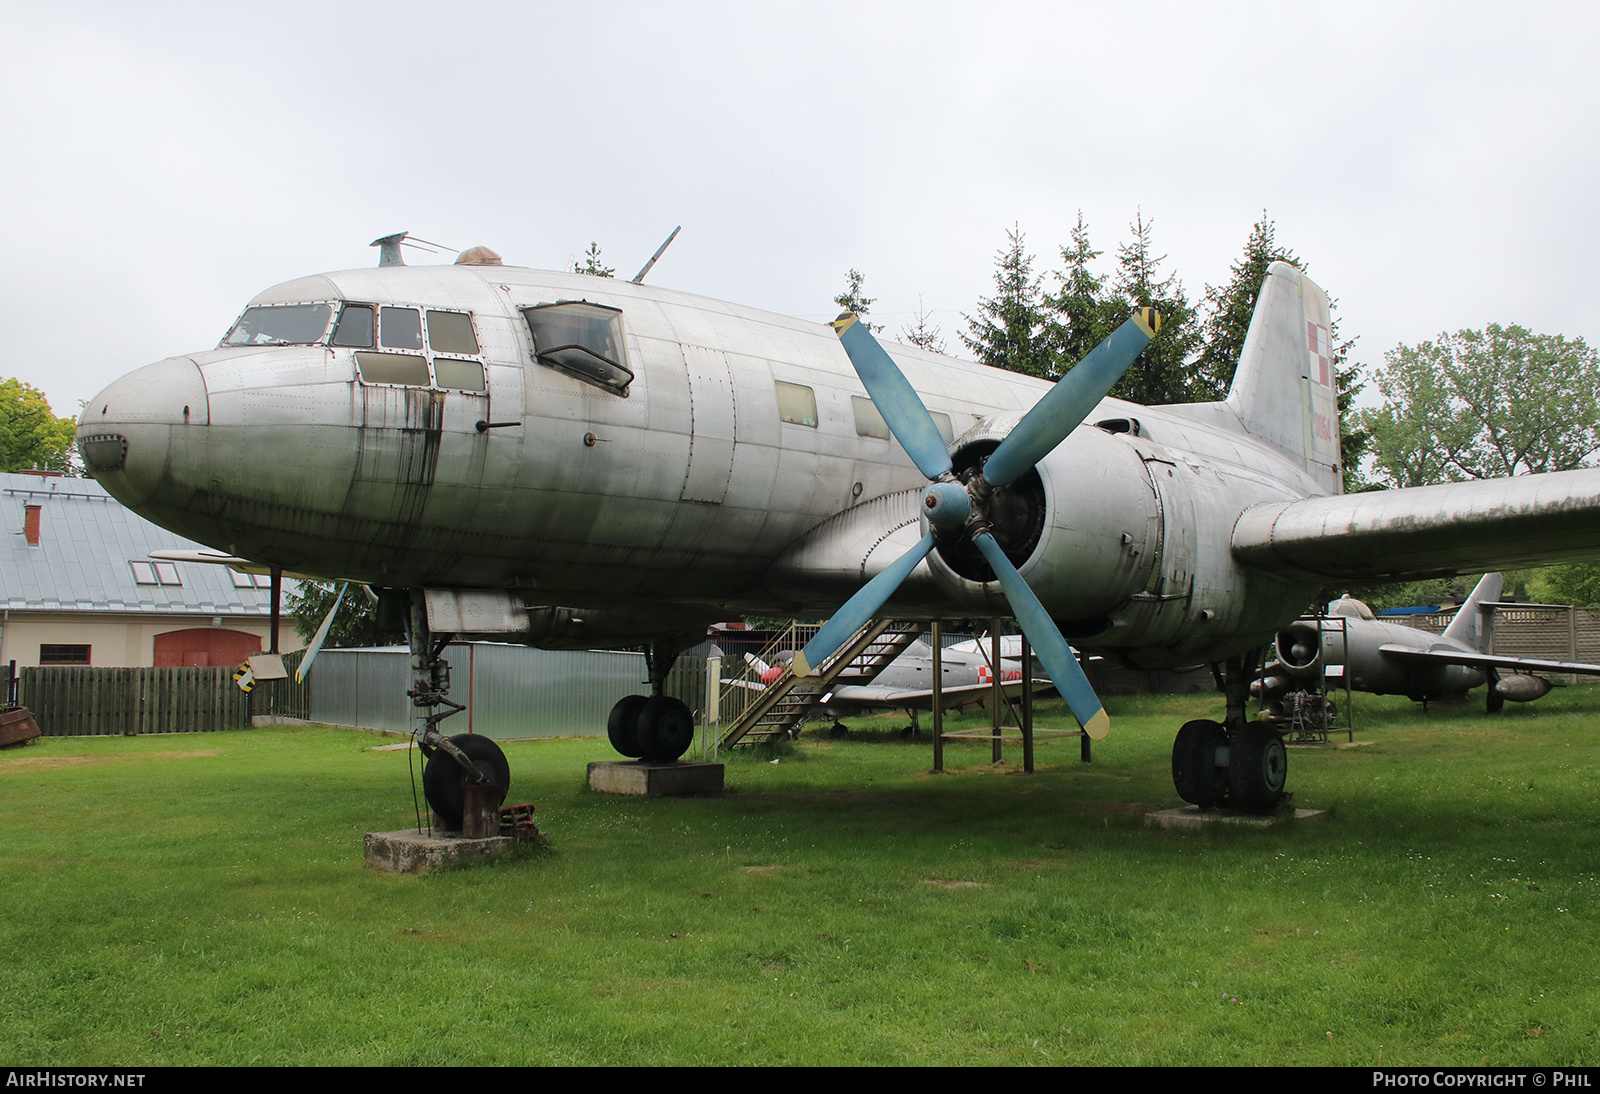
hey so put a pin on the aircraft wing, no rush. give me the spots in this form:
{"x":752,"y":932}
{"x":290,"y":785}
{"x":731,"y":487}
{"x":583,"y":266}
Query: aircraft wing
{"x":1427,"y":531}
{"x":1485,"y":660}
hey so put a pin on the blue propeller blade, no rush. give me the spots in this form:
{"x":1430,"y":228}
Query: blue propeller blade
{"x":1067,"y":404}
{"x":894,"y":397}
{"x":1048,"y":645}
{"x":858,"y":609}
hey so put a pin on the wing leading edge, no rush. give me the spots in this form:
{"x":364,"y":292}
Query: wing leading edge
{"x":1427,"y":531}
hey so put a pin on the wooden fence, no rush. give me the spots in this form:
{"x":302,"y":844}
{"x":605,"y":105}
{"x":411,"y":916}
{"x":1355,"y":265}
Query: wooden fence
{"x":79,"y":701}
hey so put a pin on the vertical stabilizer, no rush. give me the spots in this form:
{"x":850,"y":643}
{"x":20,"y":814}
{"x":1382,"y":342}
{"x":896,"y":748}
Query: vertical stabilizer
{"x":1474,"y":625}
{"x":1284,"y":389}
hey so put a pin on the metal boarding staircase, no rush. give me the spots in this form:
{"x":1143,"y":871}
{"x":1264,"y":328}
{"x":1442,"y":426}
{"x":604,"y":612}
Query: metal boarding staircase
{"x":780,"y":708}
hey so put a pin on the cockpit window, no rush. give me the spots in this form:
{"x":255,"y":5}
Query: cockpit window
{"x":582,"y":339}
{"x":281,"y":325}
{"x":451,"y":332}
{"x":400,"y":328}
{"x":357,"y":325}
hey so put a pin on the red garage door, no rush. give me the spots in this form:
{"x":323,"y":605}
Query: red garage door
{"x":201,"y":646}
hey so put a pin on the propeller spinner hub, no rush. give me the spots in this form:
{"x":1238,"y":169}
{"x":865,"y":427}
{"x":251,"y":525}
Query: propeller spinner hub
{"x":947,"y":505}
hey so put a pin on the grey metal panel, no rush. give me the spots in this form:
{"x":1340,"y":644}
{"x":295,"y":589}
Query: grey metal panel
{"x":511,"y":691}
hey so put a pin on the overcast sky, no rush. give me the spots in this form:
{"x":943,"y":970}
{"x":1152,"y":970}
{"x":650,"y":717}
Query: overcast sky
{"x":160,"y":163}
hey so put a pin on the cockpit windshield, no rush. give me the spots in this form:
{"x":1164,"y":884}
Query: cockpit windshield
{"x":281,"y":325}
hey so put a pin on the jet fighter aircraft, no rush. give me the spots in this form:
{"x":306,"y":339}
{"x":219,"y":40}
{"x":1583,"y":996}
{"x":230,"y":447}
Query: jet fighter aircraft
{"x":1393,"y":659}
{"x":576,"y":460}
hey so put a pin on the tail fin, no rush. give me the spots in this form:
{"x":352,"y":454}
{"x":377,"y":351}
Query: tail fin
{"x":1284,"y":390}
{"x":1473,"y":626}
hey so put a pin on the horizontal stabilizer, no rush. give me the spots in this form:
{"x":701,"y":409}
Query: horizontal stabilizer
{"x":1427,"y":531}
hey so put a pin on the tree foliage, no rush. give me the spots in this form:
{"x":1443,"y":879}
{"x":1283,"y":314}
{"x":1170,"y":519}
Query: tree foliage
{"x":1162,"y":373}
{"x":31,"y":436}
{"x":851,"y":299}
{"x":1484,"y":404}
{"x":1230,"y":307}
{"x":592,"y":265}
{"x":923,"y":335}
{"x":356,"y":625}
{"x":1010,"y":329}
{"x":1080,"y":317}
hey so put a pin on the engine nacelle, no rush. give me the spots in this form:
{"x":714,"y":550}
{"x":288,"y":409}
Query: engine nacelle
{"x":1083,"y":528}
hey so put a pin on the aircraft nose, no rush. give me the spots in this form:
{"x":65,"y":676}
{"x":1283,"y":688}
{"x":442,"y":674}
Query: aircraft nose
{"x":125,"y":434}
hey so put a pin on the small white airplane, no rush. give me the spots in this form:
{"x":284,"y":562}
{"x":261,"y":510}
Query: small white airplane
{"x":965,"y":671}
{"x":576,"y":460}
{"x":1393,"y":659}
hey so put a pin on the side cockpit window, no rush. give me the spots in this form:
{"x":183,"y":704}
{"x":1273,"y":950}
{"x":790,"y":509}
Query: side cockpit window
{"x":581,"y":339}
{"x":281,"y":325}
{"x":416,"y":348}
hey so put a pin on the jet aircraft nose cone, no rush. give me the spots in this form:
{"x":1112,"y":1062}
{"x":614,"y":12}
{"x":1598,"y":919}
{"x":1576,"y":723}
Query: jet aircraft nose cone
{"x":125,"y":433}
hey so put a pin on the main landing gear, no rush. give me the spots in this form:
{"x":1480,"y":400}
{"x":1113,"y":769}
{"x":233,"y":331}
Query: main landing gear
{"x":452,"y":763}
{"x":655,"y":728}
{"x":1241,"y":764}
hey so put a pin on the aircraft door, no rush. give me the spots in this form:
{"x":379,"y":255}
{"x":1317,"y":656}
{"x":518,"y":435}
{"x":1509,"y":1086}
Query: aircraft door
{"x":1172,"y":576}
{"x":713,"y":425}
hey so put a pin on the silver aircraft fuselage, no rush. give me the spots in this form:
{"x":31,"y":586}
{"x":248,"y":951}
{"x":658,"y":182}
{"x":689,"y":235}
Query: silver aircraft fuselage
{"x":743,"y":470}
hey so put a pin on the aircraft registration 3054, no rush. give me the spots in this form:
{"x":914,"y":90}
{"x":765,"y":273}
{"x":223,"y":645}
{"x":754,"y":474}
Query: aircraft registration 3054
{"x":576,"y":460}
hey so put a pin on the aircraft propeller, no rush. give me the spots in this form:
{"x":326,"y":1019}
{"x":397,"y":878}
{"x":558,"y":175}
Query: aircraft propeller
{"x":303,"y":669}
{"x":955,"y":507}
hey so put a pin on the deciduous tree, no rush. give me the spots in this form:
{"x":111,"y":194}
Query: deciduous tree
{"x":1481,"y":404}
{"x":31,"y":436}
{"x":851,"y":299}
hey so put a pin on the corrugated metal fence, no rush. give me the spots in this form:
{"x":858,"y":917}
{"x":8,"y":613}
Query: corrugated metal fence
{"x":510,"y":691}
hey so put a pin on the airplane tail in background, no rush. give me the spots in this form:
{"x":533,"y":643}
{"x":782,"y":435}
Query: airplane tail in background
{"x":1284,"y":389}
{"x":1472,"y":626}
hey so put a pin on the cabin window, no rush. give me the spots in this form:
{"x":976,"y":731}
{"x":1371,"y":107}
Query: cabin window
{"x":281,"y":325}
{"x":582,"y":339}
{"x":400,"y":328}
{"x":63,"y":655}
{"x":451,"y":332}
{"x":393,"y":368}
{"x":357,"y":325}
{"x":869,"y":421}
{"x":797,"y":404}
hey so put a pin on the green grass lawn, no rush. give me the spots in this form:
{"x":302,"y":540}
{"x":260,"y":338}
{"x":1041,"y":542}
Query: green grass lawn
{"x":200,"y":898}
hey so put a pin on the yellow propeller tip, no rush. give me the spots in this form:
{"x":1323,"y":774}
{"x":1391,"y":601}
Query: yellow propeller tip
{"x":1099,"y":725}
{"x":845,"y":321}
{"x":800,"y":666}
{"x":1149,"y":321}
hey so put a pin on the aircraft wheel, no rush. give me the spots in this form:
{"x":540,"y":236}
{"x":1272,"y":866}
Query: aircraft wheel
{"x":1195,"y":772}
{"x":1258,"y":767}
{"x":623,"y":725}
{"x":444,"y":784}
{"x":665,"y":729}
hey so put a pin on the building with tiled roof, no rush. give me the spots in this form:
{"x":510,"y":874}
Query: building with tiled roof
{"x":78,"y":586}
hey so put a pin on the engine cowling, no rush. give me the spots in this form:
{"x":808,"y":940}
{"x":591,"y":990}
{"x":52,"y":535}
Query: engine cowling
{"x":1083,"y":527}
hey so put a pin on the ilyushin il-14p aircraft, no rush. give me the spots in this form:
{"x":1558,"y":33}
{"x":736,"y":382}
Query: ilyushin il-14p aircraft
{"x":1351,"y":645}
{"x":574,"y":460}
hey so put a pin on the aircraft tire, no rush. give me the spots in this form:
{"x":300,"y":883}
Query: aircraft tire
{"x":444,"y":784}
{"x":1194,"y":763}
{"x":665,"y":729}
{"x":622,"y":727}
{"x":1258,"y":767}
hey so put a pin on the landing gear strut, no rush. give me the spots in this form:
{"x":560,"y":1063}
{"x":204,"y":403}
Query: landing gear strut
{"x":1238,"y":762}
{"x":655,"y":728}
{"x":453,"y":763}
